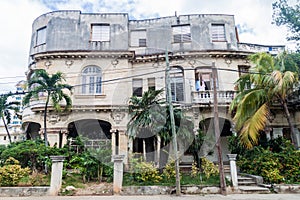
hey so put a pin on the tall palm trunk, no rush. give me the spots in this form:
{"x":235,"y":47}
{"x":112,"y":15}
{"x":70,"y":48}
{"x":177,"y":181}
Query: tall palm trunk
{"x":7,"y":131}
{"x":45,"y":121}
{"x":288,"y":117}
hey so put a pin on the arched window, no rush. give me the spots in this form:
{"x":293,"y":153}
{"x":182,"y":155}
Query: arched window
{"x":91,"y":80}
{"x":177,"y":87}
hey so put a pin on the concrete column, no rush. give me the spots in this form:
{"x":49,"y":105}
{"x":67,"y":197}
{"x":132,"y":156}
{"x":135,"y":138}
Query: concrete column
{"x":56,"y":174}
{"x":113,"y":142}
{"x":118,"y":173}
{"x":158,"y":150}
{"x":233,"y":171}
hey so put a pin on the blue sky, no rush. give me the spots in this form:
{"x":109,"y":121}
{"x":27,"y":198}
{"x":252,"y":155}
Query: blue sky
{"x":253,"y":19}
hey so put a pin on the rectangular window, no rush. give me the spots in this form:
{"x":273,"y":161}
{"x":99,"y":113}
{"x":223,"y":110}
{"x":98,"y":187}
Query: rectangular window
{"x":137,"y":87}
{"x":142,"y":43}
{"x":218,"y":33}
{"x":177,"y":89}
{"x":243,"y":69}
{"x":151,"y":83}
{"x":204,"y":81}
{"x":181,"y":33}
{"x":138,"y":38}
{"x":100,"y":32}
{"x":41,"y":36}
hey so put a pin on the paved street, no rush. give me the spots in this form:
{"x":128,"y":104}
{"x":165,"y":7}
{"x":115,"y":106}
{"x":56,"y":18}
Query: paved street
{"x":168,"y":197}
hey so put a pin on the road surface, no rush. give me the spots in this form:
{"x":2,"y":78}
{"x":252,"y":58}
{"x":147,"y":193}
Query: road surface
{"x":167,"y":197}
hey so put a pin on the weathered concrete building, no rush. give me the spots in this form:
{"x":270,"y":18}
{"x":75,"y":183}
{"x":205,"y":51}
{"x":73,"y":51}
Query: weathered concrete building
{"x":15,"y":125}
{"x":108,"y":58}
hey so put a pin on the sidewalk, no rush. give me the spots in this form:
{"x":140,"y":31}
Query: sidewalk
{"x":167,"y":197}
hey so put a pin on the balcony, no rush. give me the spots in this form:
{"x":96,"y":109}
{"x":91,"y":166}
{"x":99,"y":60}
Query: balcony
{"x":207,"y":96}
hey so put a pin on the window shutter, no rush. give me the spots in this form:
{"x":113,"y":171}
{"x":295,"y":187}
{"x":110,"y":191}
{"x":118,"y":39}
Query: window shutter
{"x":100,"y":32}
{"x":218,"y":32}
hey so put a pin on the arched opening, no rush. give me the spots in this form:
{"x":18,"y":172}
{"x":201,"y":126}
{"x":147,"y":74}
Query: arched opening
{"x":145,"y":145}
{"x":32,"y":130}
{"x":208,"y":148}
{"x":94,"y":133}
{"x":91,"y":79}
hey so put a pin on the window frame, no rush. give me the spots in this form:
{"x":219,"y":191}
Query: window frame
{"x":180,"y":35}
{"x":177,"y":79}
{"x":41,"y":36}
{"x":138,"y":38}
{"x":243,"y":69}
{"x":151,"y":83}
{"x":91,"y":80}
{"x":101,"y":35}
{"x":137,"y":87}
{"x":218,"y":33}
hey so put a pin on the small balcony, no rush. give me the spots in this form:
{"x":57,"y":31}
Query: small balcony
{"x":207,"y":96}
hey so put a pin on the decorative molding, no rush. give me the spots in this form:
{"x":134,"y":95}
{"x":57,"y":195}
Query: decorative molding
{"x":118,"y":116}
{"x":53,"y":119}
{"x":115,"y":62}
{"x":48,"y":63}
{"x":69,"y":62}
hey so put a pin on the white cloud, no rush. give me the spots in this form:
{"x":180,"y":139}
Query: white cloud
{"x":17,"y":16}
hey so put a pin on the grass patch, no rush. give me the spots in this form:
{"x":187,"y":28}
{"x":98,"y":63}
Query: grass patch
{"x":72,"y":179}
{"x":35,"y":179}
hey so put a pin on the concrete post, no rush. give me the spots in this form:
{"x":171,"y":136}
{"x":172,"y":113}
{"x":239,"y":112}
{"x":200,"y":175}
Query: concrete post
{"x":233,"y":170}
{"x":56,"y":174}
{"x":118,"y":173}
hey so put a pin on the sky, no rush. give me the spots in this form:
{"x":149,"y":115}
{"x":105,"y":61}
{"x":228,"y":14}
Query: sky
{"x":252,"y":17}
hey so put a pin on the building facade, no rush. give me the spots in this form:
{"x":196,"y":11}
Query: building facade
{"x":108,"y":58}
{"x":15,"y":125}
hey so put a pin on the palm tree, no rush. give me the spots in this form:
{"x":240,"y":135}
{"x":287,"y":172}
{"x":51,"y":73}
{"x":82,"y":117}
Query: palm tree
{"x":52,"y":87}
{"x":258,"y":90}
{"x":150,"y":114}
{"x":5,"y":114}
{"x":146,"y":112}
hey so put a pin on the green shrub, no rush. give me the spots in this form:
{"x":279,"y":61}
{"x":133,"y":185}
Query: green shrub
{"x":31,"y":153}
{"x":147,"y":172}
{"x":142,"y":171}
{"x":169,"y":171}
{"x":209,"y":168}
{"x":195,"y":170}
{"x":275,"y":167}
{"x":12,"y":172}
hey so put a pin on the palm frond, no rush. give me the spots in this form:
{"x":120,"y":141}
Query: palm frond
{"x":249,"y":134}
{"x":249,"y":103}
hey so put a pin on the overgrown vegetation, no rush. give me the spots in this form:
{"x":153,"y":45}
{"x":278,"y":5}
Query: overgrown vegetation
{"x":12,"y":172}
{"x":90,"y":164}
{"x":144,"y":173}
{"x":277,"y":161}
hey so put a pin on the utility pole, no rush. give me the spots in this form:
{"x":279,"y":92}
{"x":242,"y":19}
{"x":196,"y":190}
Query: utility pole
{"x":169,"y":100}
{"x":217,"y":131}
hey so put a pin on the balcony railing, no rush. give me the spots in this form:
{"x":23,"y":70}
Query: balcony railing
{"x":207,"y":96}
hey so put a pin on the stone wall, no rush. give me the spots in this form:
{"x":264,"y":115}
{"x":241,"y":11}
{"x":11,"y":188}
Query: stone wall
{"x":23,"y":191}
